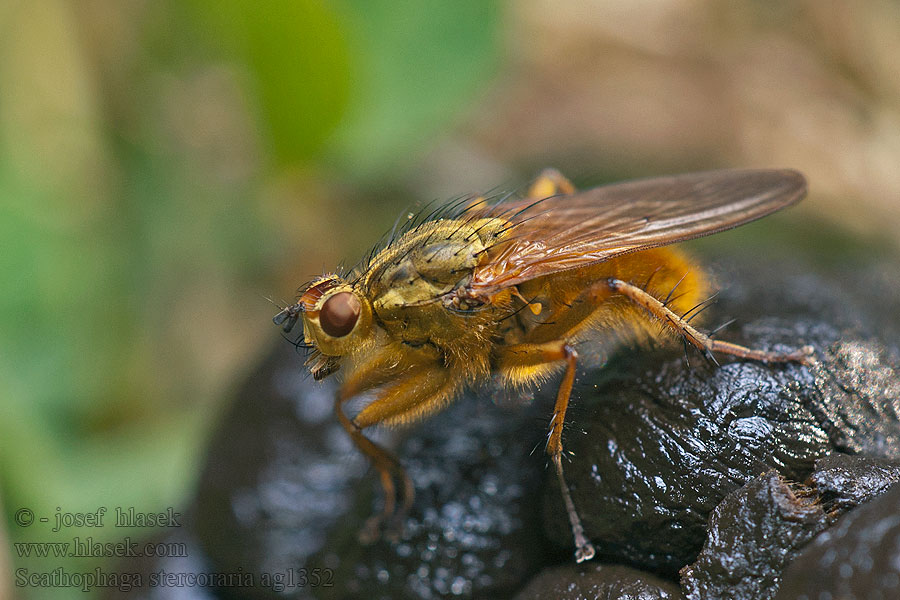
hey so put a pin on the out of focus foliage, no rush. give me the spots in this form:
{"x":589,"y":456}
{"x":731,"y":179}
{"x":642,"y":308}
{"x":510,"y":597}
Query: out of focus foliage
{"x":157,"y":164}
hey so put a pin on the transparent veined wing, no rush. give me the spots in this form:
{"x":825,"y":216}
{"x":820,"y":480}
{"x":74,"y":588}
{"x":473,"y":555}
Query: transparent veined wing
{"x":564,"y":232}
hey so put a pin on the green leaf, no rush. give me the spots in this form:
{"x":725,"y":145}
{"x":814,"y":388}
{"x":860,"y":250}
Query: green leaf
{"x":417,"y":65}
{"x":296,"y":55}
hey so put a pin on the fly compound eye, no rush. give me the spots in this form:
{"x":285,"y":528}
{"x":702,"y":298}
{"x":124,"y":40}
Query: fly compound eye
{"x":339,"y":314}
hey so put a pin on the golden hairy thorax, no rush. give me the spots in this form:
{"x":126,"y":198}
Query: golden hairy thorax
{"x":411,"y":287}
{"x":409,"y":280}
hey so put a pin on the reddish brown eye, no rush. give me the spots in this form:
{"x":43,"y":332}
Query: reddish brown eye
{"x":339,"y":314}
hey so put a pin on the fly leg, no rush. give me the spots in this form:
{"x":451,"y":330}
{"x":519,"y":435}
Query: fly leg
{"x":584,"y":550}
{"x":387,"y":466}
{"x":418,"y":392}
{"x":698,"y":339}
{"x":370,"y":375}
{"x":550,"y":183}
{"x":515,"y":361}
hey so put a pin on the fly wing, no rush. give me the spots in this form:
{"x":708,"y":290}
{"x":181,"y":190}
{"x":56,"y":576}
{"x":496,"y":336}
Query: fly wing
{"x":573,"y":231}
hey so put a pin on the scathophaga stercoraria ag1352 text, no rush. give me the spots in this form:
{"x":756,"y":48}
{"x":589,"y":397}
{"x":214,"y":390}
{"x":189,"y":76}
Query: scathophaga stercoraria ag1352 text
{"x":507,"y":288}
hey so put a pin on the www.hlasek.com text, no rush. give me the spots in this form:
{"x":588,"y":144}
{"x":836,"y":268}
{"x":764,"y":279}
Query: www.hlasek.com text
{"x":89,"y":548}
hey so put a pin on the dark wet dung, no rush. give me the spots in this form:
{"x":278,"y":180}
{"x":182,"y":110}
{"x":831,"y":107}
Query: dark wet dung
{"x":857,"y":559}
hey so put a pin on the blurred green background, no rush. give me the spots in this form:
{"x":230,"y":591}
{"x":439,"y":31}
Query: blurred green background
{"x":167,"y":166}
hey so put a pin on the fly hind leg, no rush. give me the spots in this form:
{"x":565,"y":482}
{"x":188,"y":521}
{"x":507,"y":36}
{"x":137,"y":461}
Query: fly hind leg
{"x":523,"y":362}
{"x":696,"y":338}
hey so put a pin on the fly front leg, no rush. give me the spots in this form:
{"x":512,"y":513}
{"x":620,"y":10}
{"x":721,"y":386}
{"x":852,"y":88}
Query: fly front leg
{"x":381,"y":370}
{"x":387,"y":466}
{"x":521,"y":362}
{"x":698,"y":339}
{"x":418,"y":392}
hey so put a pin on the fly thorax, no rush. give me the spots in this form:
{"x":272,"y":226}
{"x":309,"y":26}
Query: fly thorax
{"x":428,"y":266}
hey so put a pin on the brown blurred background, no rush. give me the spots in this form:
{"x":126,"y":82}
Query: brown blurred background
{"x":167,"y":166}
